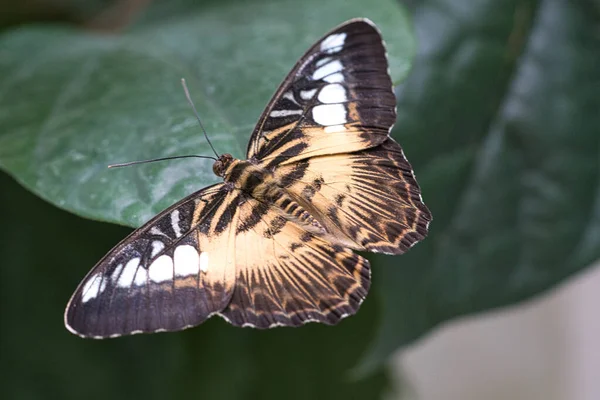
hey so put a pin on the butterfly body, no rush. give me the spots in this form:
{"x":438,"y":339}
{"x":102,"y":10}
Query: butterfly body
{"x":274,"y":243}
{"x":247,"y":176}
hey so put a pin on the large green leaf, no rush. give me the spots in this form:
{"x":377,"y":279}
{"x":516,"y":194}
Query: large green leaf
{"x":500,"y":119}
{"x":74,"y":102}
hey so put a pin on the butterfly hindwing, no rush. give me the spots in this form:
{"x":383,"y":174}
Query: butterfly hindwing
{"x":338,"y":98}
{"x":369,"y":200}
{"x":287,"y":276}
{"x":170,"y":274}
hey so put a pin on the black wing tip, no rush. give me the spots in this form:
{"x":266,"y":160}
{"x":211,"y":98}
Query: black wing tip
{"x":357,"y":20}
{"x":76,"y":323}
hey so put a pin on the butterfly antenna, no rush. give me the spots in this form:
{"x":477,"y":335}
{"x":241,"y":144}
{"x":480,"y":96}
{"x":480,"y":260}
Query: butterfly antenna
{"x":189,"y":99}
{"x":156,"y":159}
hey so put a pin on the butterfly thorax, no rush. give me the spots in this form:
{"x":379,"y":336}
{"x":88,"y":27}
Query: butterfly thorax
{"x":245,"y":176}
{"x":260,"y":184}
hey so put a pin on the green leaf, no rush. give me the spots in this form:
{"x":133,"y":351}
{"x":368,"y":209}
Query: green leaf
{"x":500,"y":120}
{"x":73,"y":102}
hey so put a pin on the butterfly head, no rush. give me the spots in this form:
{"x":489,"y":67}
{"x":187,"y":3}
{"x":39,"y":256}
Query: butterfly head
{"x":222,"y":163}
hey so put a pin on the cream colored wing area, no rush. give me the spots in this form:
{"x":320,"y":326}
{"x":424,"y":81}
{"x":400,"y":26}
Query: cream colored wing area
{"x":217,"y":257}
{"x":312,"y":141}
{"x":369,"y":200}
{"x":287,"y":276}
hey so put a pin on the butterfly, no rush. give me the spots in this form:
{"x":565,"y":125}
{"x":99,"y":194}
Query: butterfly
{"x":275,"y":243}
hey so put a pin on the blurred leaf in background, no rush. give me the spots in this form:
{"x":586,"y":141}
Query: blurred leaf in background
{"x":499,"y":117}
{"x":16,"y":12}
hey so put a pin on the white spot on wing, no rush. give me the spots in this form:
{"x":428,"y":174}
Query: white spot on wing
{"x":128,"y":273}
{"x":155,"y":231}
{"x":329,"y":114}
{"x":334,"y":78}
{"x":204,"y":262}
{"x":141,"y":276}
{"x":307,"y":94}
{"x":187,"y":260}
{"x":175,"y":223}
{"x":290,"y":97}
{"x":322,"y":61}
{"x":161,"y":269}
{"x":327,"y":69}
{"x":334,"y":128}
{"x":334,"y":93}
{"x":333,"y":43}
{"x":93,"y":287}
{"x":116,"y":272}
{"x":284,"y":113}
{"x":157,"y":246}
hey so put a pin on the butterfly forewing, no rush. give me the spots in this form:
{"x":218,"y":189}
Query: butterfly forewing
{"x":337,"y":99}
{"x":170,"y":274}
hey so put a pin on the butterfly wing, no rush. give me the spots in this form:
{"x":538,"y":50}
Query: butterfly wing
{"x":368,"y":200}
{"x":338,"y":98}
{"x":218,"y":251}
{"x":172,"y":273}
{"x":287,"y":275}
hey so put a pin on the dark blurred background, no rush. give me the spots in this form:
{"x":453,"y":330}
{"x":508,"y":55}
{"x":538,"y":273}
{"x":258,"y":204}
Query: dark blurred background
{"x":498,"y":115}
